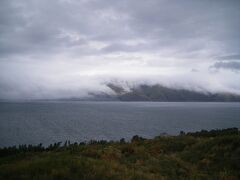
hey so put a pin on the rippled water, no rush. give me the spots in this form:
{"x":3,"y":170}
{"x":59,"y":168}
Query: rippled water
{"x":48,"y":122}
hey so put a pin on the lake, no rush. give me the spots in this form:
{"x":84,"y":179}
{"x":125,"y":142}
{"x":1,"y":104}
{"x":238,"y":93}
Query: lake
{"x":53,"y":121}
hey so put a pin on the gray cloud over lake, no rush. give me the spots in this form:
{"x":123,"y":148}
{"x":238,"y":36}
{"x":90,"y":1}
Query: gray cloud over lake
{"x":230,"y":57}
{"x":65,"y":48}
{"x":235,"y":66}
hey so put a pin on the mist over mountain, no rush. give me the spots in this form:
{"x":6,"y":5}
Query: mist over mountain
{"x":160,"y":93}
{"x":71,"y":48}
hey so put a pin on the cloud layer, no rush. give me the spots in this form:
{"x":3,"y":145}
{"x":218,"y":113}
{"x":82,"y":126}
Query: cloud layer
{"x":66,"y":48}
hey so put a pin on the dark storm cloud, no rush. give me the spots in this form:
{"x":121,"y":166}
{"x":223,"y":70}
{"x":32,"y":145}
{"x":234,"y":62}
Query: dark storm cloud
{"x":235,"y":66}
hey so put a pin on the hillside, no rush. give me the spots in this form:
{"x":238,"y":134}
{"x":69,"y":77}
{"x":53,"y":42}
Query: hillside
{"x":202,"y":155}
{"x":161,"y":93}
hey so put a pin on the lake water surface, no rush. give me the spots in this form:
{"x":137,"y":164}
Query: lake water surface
{"x":49,"y":122}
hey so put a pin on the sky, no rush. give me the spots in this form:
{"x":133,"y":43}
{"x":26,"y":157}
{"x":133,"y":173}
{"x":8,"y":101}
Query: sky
{"x":68,"y":48}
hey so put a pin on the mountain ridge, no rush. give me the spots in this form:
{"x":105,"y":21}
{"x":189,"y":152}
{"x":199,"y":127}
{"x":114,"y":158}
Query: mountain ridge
{"x":161,"y":93}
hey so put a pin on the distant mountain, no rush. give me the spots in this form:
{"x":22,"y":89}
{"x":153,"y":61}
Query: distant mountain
{"x":161,"y":93}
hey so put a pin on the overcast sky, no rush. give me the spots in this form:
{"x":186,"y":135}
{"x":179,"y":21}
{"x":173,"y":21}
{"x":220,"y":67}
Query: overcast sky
{"x":66,"y":48}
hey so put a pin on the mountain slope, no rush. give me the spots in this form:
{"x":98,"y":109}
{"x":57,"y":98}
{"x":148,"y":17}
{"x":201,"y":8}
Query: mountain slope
{"x":161,"y":93}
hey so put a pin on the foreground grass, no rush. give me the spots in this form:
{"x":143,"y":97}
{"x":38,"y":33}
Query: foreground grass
{"x":202,"y":155}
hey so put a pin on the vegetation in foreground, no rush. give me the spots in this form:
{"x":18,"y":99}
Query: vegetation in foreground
{"x":211,"y":154}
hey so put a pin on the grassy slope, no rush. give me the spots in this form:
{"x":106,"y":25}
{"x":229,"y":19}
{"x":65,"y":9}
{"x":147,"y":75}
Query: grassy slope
{"x":203,"y":155}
